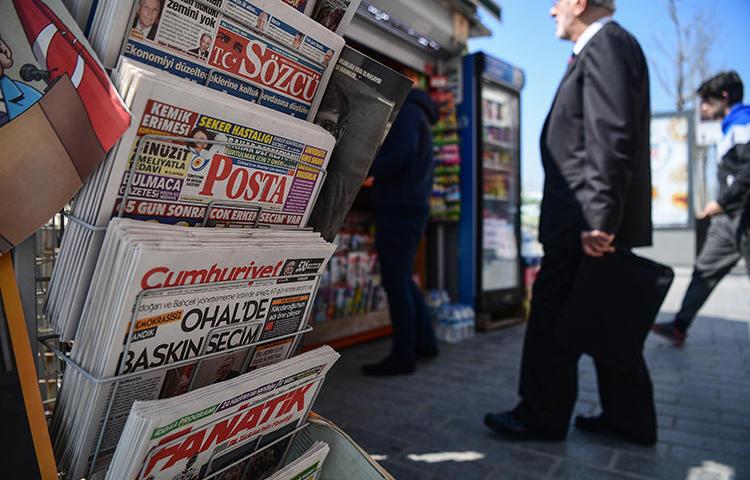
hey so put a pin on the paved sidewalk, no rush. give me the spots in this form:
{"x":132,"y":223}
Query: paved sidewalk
{"x":702,"y":395}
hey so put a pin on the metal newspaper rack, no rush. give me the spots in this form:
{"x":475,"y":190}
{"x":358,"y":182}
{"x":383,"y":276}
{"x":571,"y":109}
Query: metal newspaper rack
{"x":254,"y":206}
{"x":115,"y":380}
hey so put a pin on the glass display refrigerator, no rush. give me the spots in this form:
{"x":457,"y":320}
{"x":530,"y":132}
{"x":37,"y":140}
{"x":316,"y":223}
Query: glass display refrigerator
{"x":489,"y":250}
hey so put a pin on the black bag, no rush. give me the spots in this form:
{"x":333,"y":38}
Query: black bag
{"x":612,"y":305}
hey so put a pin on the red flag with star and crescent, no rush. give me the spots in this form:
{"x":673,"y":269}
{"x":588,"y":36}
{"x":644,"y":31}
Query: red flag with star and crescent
{"x":63,"y":54}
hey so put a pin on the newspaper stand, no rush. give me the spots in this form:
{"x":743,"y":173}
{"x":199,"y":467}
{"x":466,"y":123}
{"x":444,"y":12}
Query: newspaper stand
{"x":302,"y":329}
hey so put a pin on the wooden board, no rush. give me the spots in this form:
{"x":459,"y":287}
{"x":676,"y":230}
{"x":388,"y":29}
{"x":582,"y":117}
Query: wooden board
{"x":27,"y":378}
{"x":347,"y":331}
{"x":485,"y":323}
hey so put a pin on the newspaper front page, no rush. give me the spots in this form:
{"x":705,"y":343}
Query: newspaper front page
{"x":213,"y":429}
{"x":260,"y":162}
{"x":261,"y":51}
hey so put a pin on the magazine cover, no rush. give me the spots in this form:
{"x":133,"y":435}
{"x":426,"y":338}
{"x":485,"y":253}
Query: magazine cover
{"x":361,"y":101}
{"x":58,"y":113}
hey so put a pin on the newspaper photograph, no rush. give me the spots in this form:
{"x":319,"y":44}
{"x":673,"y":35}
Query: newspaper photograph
{"x":304,"y":6}
{"x":261,"y":51}
{"x":335,"y":15}
{"x":213,"y":429}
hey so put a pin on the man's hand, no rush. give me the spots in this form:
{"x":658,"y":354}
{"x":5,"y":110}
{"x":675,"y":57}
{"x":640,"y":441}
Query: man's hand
{"x":713,"y":208}
{"x":596,"y":243}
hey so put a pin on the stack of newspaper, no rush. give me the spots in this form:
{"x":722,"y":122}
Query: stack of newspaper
{"x":266,"y":170}
{"x":262,"y":51}
{"x":165,"y":294}
{"x":212,"y":429}
{"x":305,"y":467}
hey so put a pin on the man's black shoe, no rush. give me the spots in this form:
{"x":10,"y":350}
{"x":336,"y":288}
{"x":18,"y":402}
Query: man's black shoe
{"x":505,"y":424}
{"x":595,"y":424}
{"x":427,"y":353}
{"x":388,"y":367}
{"x":670,"y":332}
{"x":599,"y":426}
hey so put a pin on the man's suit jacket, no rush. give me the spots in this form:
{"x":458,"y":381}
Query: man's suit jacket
{"x":197,"y":51}
{"x":595,"y":146}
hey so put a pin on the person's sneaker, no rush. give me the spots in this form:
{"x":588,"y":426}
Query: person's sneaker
{"x":389,"y":366}
{"x":670,"y":332}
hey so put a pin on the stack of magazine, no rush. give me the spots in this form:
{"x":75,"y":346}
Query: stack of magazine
{"x":262,"y":51}
{"x":215,"y":428}
{"x":360,"y":104}
{"x":265,"y":170}
{"x":170,"y":295}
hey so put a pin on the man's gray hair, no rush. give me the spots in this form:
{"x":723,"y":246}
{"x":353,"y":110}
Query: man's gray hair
{"x":608,"y":4}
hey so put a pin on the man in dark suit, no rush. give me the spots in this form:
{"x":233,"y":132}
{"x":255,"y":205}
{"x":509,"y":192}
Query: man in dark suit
{"x":202,"y":49}
{"x":597,"y":197}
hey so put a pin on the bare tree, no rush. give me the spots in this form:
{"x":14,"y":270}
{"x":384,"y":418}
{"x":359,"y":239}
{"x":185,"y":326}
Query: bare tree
{"x":687,"y":61}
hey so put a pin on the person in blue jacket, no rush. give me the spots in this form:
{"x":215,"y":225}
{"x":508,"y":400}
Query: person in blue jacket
{"x":728,"y":237}
{"x":402,"y":173}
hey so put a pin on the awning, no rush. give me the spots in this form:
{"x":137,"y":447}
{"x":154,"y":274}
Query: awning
{"x":427,"y":26}
{"x":491,"y":7}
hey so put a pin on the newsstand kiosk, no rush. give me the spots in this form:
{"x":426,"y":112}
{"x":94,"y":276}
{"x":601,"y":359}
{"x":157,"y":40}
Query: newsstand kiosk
{"x":424,"y":40}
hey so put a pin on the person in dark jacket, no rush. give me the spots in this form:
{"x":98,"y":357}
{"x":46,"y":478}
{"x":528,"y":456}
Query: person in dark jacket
{"x":402,"y":174}
{"x":728,"y":237}
{"x":597,"y":198}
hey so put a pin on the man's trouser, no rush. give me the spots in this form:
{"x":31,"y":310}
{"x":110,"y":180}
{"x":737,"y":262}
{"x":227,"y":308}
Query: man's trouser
{"x":397,"y":240}
{"x":727,"y":241}
{"x":549,"y":371}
